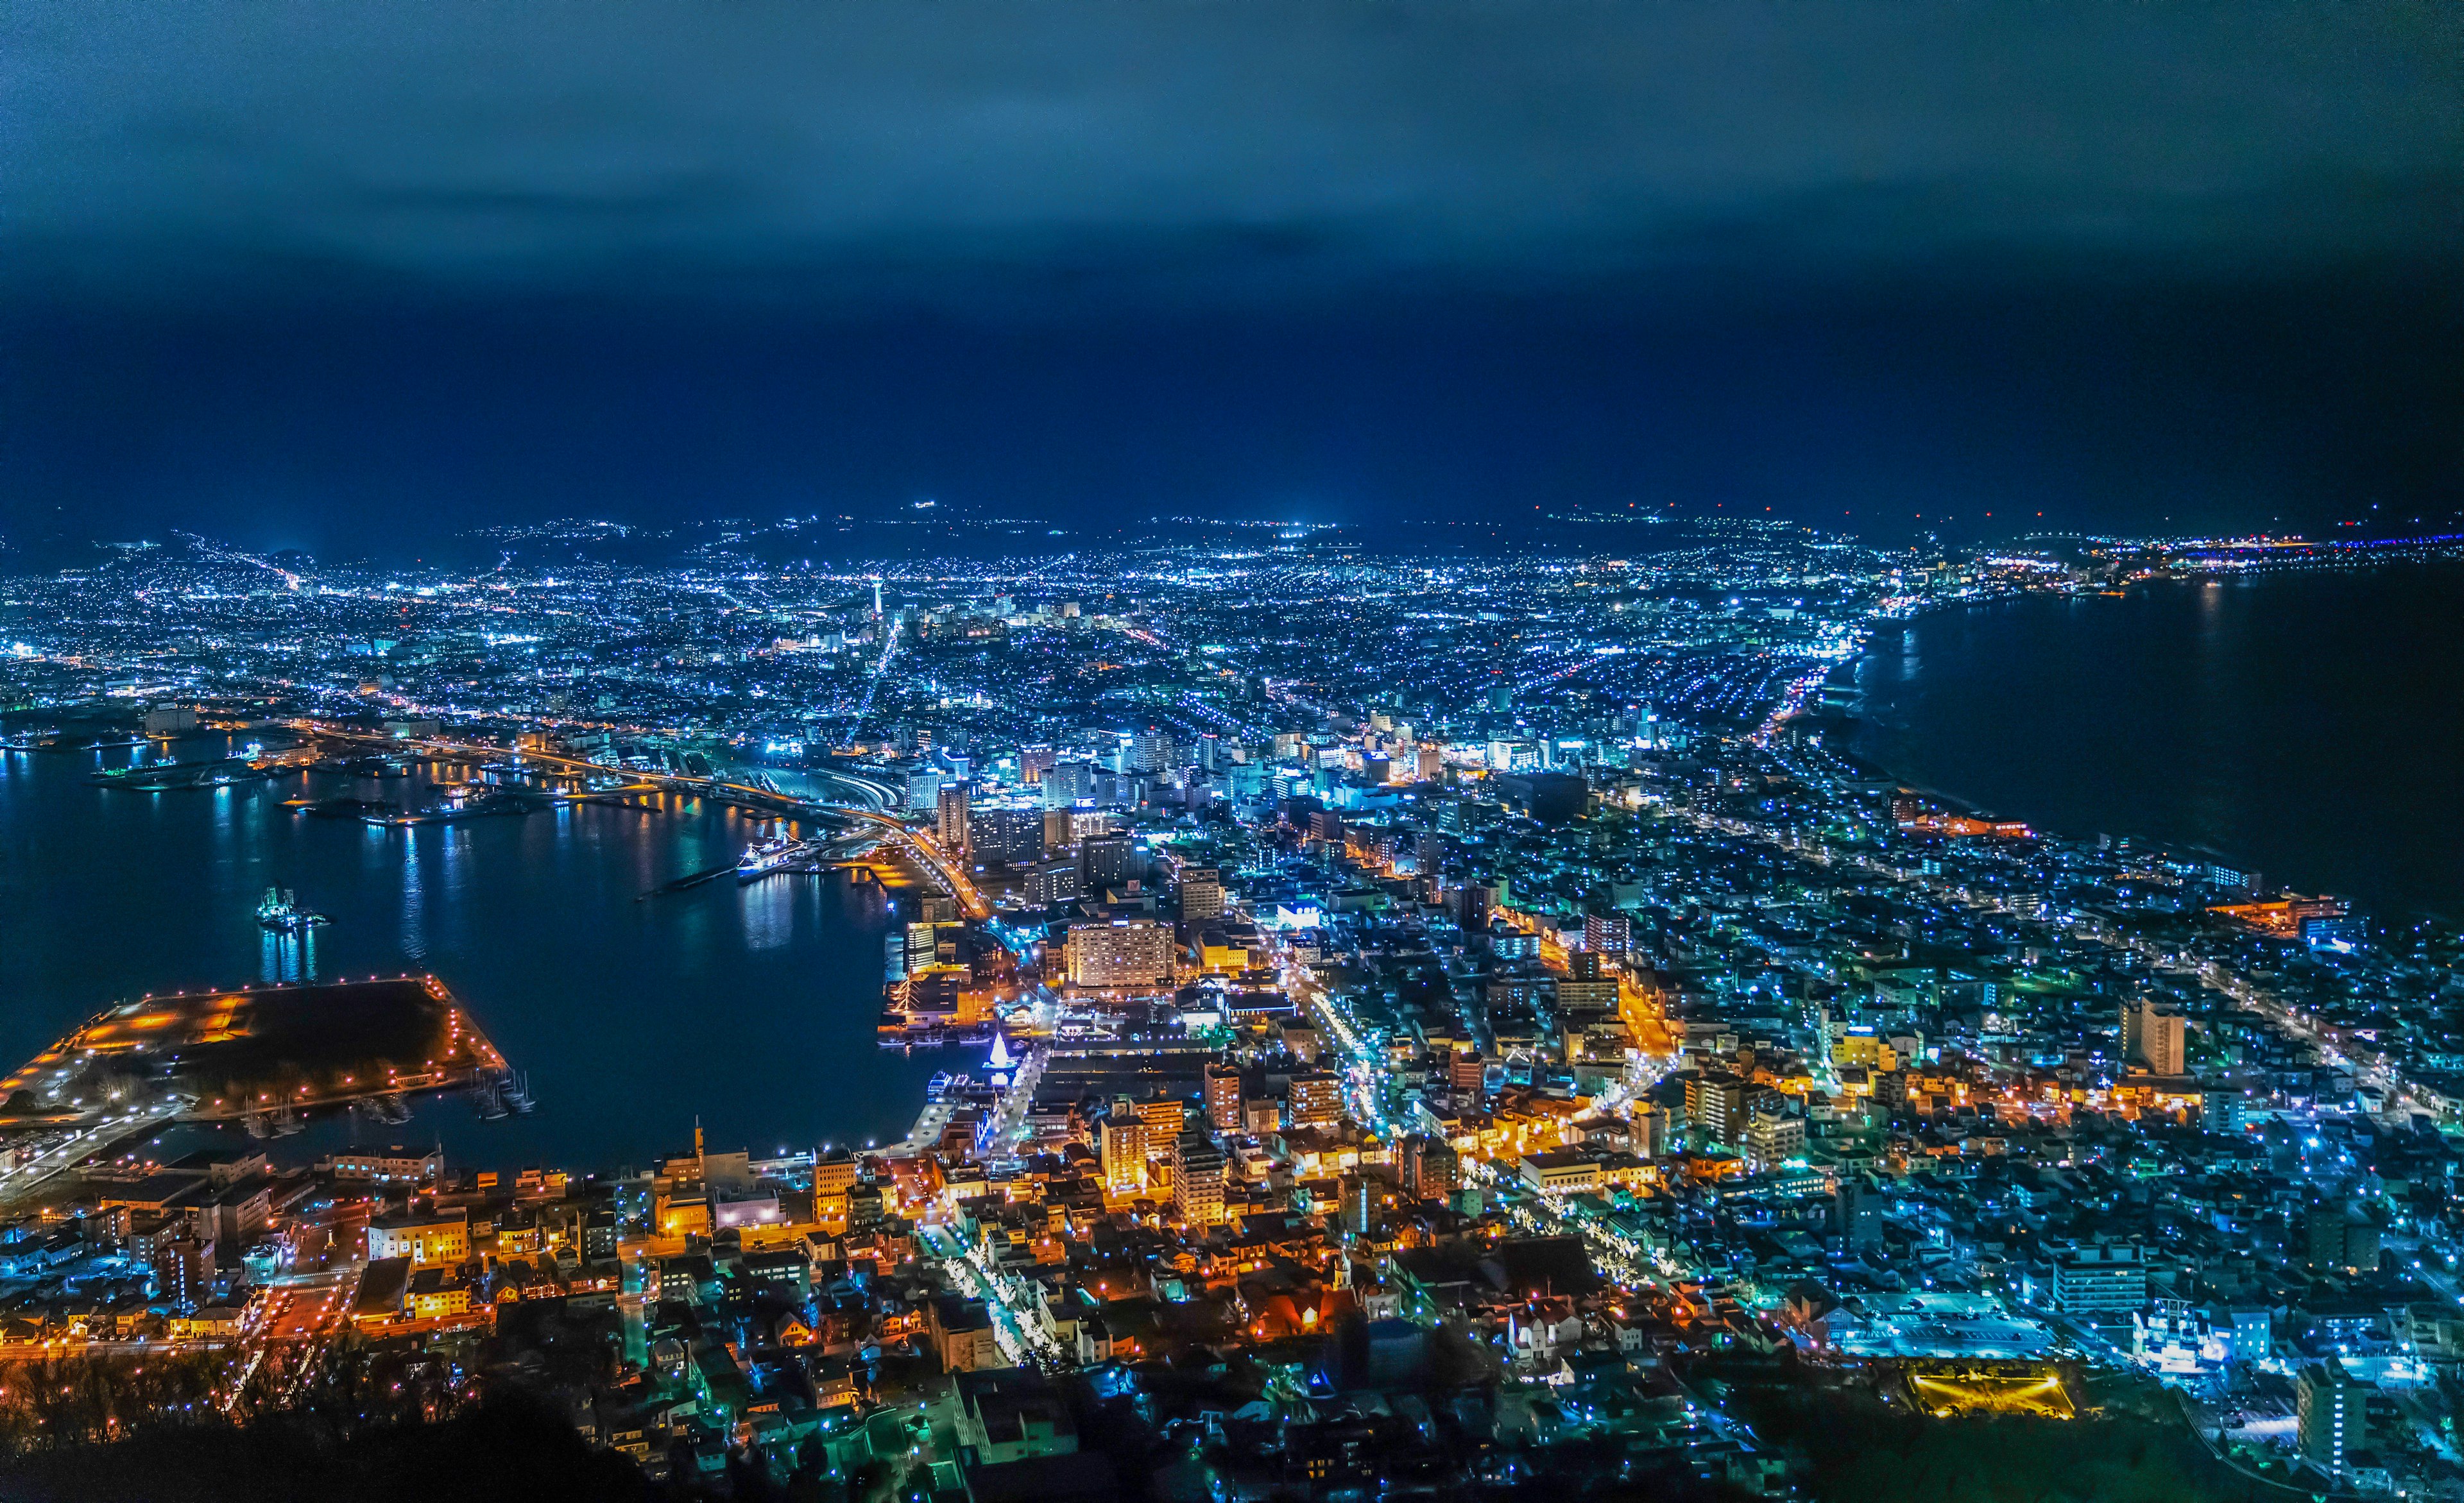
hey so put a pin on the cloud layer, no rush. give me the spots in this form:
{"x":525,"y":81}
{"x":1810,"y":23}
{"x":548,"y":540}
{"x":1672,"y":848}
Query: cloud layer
{"x":956,"y":149}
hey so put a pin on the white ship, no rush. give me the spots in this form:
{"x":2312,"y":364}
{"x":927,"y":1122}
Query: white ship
{"x":761,"y":859}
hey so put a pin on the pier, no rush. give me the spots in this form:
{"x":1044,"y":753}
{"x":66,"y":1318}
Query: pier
{"x":163,"y":776}
{"x":266,"y":1056}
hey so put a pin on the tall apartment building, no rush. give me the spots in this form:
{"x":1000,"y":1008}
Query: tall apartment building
{"x":1467,"y":1075}
{"x":1608,"y":933}
{"x":2154,"y":1035}
{"x":2340,"y":1239}
{"x":953,"y":812}
{"x":1432,"y":1170}
{"x":1359,"y":1203}
{"x":1065,"y":783}
{"x":1201,"y":894}
{"x":1224,"y":1098}
{"x":1151,"y":752}
{"x":1472,"y":905}
{"x":1196,"y":1180}
{"x":1716,"y":1103}
{"x":2109,"y":1278}
{"x":1317,"y":1099}
{"x":1011,"y":836}
{"x":2333,"y":1423}
{"x":1165,"y":1117}
{"x":1126,"y":952}
{"x":1104,"y":861}
{"x":1771,"y":1139}
{"x":1050,"y":883}
{"x":1123,"y":1147}
{"x":184,"y":1270}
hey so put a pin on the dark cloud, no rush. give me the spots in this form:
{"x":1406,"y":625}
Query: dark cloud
{"x":350,"y":274}
{"x":834,"y":152}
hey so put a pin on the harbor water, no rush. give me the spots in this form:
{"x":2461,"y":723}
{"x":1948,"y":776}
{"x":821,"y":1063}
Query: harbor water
{"x":751,"y":1005}
{"x":2305,"y":725}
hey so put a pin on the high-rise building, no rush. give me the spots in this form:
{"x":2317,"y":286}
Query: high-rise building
{"x":1151,"y":752}
{"x":1033,"y":762}
{"x":1432,"y":1170}
{"x":1359,"y":1203}
{"x":1011,"y":836}
{"x":953,"y":811}
{"x":2333,"y":1420}
{"x":1058,"y":835}
{"x":1201,"y":894}
{"x":1123,"y":1145}
{"x":1316,"y":1098}
{"x":1652,"y":1131}
{"x":1048,"y":883}
{"x":1608,"y":933}
{"x":2154,"y":1035}
{"x":1166,"y":1116}
{"x":1065,"y":783}
{"x":184,"y":1271}
{"x":1771,"y":1139}
{"x":924,"y":789}
{"x":834,"y":1170}
{"x":1224,"y":1098}
{"x":2106,"y":1277}
{"x":1716,"y":1102}
{"x":1858,"y":1213}
{"x":1126,"y":952}
{"x":1472,"y":907}
{"x":1104,"y":862}
{"x":2340,"y":1239}
{"x":1196,"y":1180}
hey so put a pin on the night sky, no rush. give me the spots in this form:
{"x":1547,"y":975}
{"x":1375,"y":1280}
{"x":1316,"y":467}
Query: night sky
{"x":354,"y":276}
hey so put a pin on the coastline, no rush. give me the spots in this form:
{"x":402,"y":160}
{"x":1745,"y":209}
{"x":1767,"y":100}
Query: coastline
{"x":2215,"y":767}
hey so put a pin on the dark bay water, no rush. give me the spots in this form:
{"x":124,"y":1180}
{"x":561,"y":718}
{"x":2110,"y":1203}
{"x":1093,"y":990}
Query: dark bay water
{"x":751,"y":1006}
{"x":2308,"y":724}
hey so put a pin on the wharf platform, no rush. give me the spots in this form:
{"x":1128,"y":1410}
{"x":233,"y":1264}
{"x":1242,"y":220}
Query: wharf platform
{"x":228,"y":1054}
